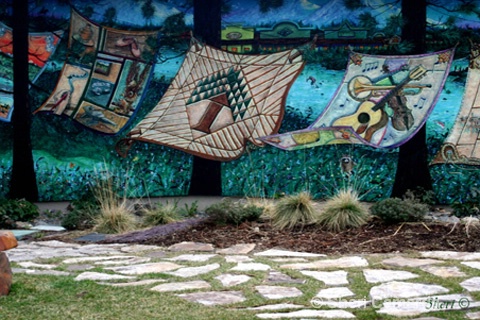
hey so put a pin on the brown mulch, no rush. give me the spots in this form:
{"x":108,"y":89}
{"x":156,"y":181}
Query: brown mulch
{"x":374,"y":237}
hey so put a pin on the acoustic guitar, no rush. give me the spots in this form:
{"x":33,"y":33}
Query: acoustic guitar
{"x":370,"y":113}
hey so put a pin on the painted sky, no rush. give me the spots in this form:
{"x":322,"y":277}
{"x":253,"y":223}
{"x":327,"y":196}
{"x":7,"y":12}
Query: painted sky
{"x":312,"y":12}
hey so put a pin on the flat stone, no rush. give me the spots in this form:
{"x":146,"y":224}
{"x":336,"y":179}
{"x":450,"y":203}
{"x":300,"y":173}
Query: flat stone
{"x":286,"y":253}
{"x":413,"y":307}
{"x":45,"y":227}
{"x":156,"y":254}
{"x":284,"y":260}
{"x":230,"y":280}
{"x":322,"y":314}
{"x":192,"y":246}
{"x":129,"y":261}
{"x":212,"y":298}
{"x":56,"y":244}
{"x":278,"y":277}
{"x":92,"y":237}
{"x":7,"y":240}
{"x":98,"y":276}
{"x":96,"y":259}
{"x":159,"y":267}
{"x":79,"y":267}
{"x":444,"y":272}
{"x":181,"y":286}
{"x":330,"y":278}
{"x":194,"y":271}
{"x":243,"y":248}
{"x":193,"y":257}
{"x":97,"y":249}
{"x":133,"y":283}
{"x":334,"y":293}
{"x":278,"y":292}
{"x":343,"y":262}
{"x":279,"y":306}
{"x":428,"y":318}
{"x":238,"y":259}
{"x":29,"y":264}
{"x":451,"y":255}
{"x":472,"y":284}
{"x":409,"y":262}
{"x":473,"y":315}
{"x":341,"y":303}
{"x":138,"y":248}
{"x":20,"y":234}
{"x":472,"y":264}
{"x":37,"y":272}
{"x":381,"y":275}
{"x":251,"y":266}
{"x":397,"y":289}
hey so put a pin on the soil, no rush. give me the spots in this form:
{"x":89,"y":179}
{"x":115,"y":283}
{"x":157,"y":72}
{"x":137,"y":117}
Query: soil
{"x":374,"y":237}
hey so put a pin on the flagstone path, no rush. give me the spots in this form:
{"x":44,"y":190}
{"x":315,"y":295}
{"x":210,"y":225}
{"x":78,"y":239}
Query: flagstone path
{"x":392,"y":280}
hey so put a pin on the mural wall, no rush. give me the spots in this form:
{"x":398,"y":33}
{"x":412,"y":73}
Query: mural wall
{"x":303,"y":95}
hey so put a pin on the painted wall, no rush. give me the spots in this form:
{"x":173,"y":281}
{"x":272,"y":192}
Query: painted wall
{"x":69,"y":154}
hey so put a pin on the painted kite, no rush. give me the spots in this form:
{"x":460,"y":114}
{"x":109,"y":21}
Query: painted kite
{"x":219,"y":100}
{"x":381,"y":102}
{"x":41,"y":45}
{"x":462,"y":145}
{"x":103,"y":82}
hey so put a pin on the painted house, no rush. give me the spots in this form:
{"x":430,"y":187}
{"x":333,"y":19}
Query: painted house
{"x":282,"y":36}
{"x":237,"y":38}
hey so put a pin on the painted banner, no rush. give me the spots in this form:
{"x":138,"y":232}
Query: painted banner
{"x":381,"y":102}
{"x":219,"y":100}
{"x":462,"y":145}
{"x":105,"y":77}
{"x":41,"y":45}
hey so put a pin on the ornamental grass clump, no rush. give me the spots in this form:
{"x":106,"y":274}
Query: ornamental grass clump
{"x":161,"y":214}
{"x":292,"y":211}
{"x":344,"y":210}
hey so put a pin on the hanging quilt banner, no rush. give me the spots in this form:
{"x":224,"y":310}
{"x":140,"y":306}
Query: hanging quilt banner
{"x":381,"y":102}
{"x":41,"y":45}
{"x":462,"y":145}
{"x":105,"y":77}
{"x":219,"y":100}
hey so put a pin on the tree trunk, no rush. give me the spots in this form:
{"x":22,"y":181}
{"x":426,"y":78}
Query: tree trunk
{"x":207,"y":174}
{"x":412,"y":169}
{"x":23,"y":183}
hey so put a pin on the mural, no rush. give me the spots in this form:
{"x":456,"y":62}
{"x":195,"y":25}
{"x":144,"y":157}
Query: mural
{"x":129,"y":87}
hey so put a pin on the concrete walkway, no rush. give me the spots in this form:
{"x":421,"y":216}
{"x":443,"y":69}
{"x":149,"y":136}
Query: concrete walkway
{"x":391,"y":280}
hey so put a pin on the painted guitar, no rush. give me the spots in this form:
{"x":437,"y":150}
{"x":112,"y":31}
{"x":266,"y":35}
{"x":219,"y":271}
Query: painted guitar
{"x":370,"y":114}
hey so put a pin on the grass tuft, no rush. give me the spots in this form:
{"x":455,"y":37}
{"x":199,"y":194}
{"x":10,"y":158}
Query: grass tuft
{"x":294,"y":210}
{"x":161,"y":214}
{"x":344,"y":210}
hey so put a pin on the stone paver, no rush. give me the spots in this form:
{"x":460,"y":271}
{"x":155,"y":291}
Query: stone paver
{"x":391,"y":293}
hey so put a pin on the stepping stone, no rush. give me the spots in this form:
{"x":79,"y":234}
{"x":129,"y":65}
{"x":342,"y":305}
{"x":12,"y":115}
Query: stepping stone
{"x":29,"y":264}
{"x":278,"y":277}
{"x":192,"y":246}
{"x":472,"y":284}
{"x":92,"y":237}
{"x":341,"y":304}
{"x":343,"y":262}
{"x":251,"y":267}
{"x":156,"y":254}
{"x":96,"y":249}
{"x":230,"y":280}
{"x":98,"y":276}
{"x":243,"y":248}
{"x":473,"y":315}
{"x":181,"y":286}
{"x":380,"y":275}
{"x":96,"y":259}
{"x":472,"y":264}
{"x":132,"y":284}
{"x":284,"y":260}
{"x":451,"y":255}
{"x":286,"y":253}
{"x":44,"y":227}
{"x":444,"y":272}
{"x":330,"y":278}
{"x":137,"y":248}
{"x":279,"y":306}
{"x":40,"y":272}
{"x":134,"y":260}
{"x":56,"y":244}
{"x":278,"y":292}
{"x":194,"y":271}
{"x":193,"y":257}
{"x":413,"y":307}
{"x":159,"y":267}
{"x":334,"y":293}
{"x":409,"y":262}
{"x":396,"y":289}
{"x":79,"y":267}
{"x":212,"y":298}
{"x":238,"y":259}
{"x":322,"y":314}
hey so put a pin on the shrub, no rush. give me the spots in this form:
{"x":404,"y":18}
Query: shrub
{"x":16,"y":210}
{"x":229,"y":212}
{"x":466,"y":209}
{"x":81,"y":213}
{"x":160,"y":214}
{"x":394,"y":210}
{"x":294,"y":210}
{"x":342,"y":211}
{"x":421,"y":195}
